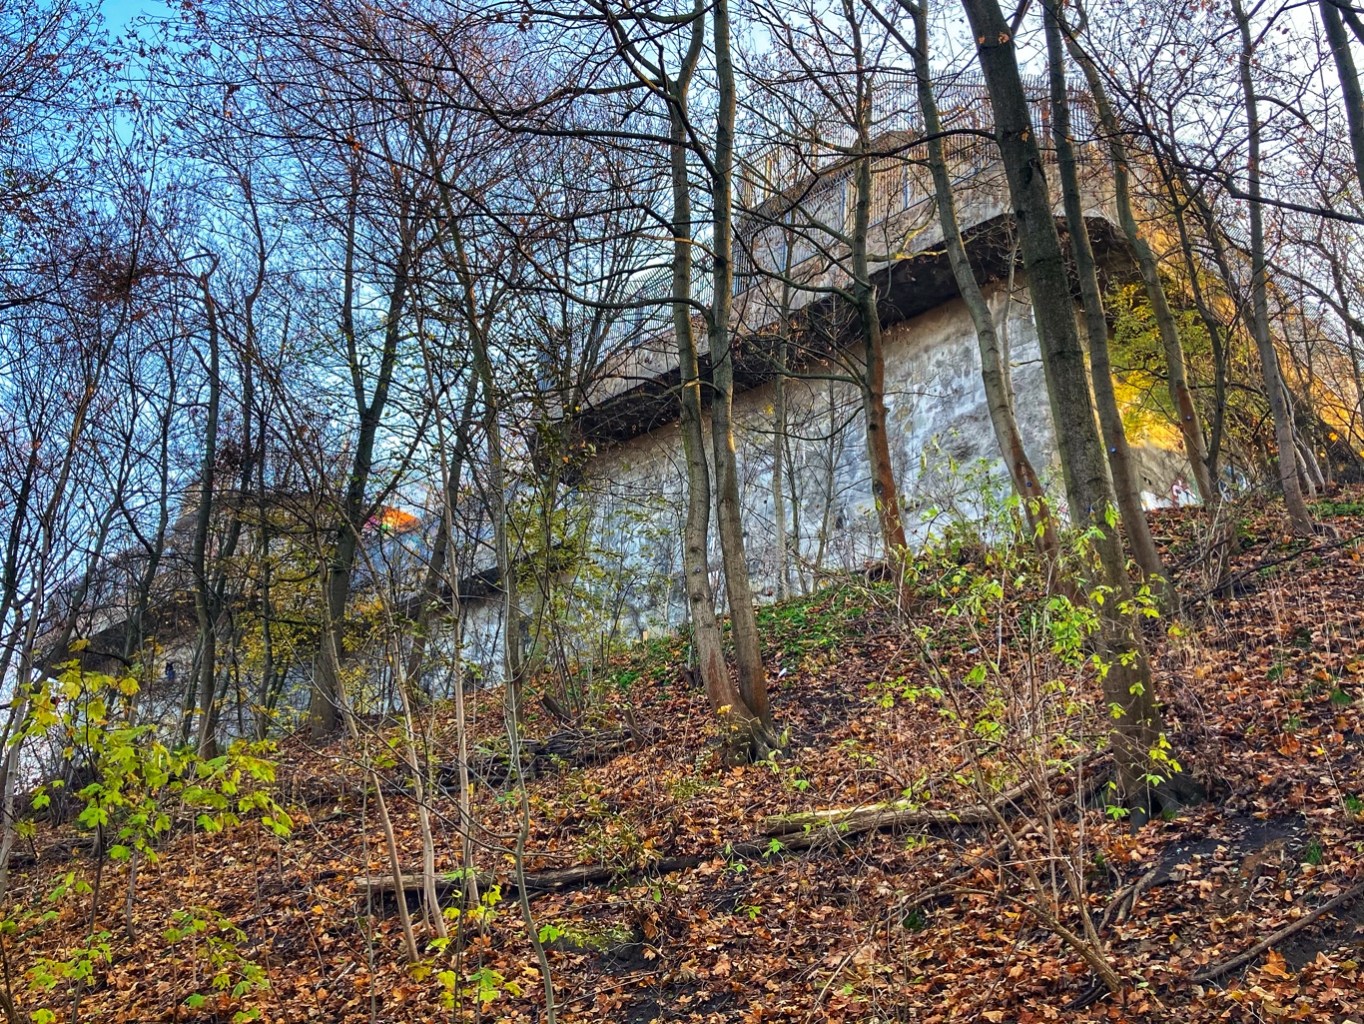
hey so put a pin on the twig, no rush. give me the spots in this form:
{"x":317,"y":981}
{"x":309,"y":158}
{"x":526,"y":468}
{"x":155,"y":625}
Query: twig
{"x":1227,"y":966}
{"x":1124,"y":902}
{"x":783,"y":835}
{"x":1240,"y":577}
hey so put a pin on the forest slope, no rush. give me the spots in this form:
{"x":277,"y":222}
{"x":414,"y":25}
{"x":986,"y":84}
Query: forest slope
{"x":964,"y":731}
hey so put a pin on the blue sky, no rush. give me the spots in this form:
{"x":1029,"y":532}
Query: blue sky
{"x":117,"y":13}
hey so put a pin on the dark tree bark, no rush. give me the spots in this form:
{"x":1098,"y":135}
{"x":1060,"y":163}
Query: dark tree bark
{"x":728,"y":512}
{"x":202,"y":684}
{"x":1299,"y":517}
{"x":1136,"y":728}
{"x":993,"y":368}
{"x":1127,"y":488}
{"x":745,"y":729}
{"x":327,"y":699}
{"x":1349,"y":80}
{"x":885,"y":490}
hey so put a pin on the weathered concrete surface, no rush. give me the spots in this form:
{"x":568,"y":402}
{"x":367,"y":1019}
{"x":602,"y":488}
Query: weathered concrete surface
{"x":944,"y":449}
{"x":798,"y":248}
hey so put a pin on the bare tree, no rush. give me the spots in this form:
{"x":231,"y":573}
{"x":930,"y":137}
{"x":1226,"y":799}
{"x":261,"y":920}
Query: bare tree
{"x":1190,"y":425}
{"x":1137,"y":728}
{"x":829,"y":150}
{"x":1127,"y":490}
{"x":1275,"y":391}
{"x":994,"y":369}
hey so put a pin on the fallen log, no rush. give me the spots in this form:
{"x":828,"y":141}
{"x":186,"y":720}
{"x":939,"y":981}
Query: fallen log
{"x":848,"y":821}
{"x":785,"y":834}
{"x":537,"y":883}
{"x":574,"y":748}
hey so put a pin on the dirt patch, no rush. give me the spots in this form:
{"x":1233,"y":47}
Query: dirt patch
{"x":1333,"y":932}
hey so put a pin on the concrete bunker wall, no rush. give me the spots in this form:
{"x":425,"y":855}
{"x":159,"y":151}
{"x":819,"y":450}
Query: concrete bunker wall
{"x":942,"y":445}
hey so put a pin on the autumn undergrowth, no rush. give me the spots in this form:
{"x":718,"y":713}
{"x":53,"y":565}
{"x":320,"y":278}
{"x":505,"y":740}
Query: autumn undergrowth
{"x":139,"y":792}
{"x":979,"y":700}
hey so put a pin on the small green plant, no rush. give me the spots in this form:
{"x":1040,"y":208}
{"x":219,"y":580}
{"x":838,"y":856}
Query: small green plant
{"x":138,"y":779}
{"x":902,"y":689}
{"x":689,"y":787}
{"x":479,"y":916}
{"x":78,"y":967}
{"x":484,"y":985}
{"x":615,"y":839}
{"x":218,"y":943}
{"x":1314,"y":854}
{"x":794,"y":780}
{"x":139,"y":788}
{"x":857,"y":752}
{"x":790,"y":774}
{"x":625,"y":678}
{"x":809,"y":625}
{"x":1338,"y":508}
{"x":602,"y":939}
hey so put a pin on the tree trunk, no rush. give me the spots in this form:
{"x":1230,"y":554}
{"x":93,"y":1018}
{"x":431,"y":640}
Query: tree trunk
{"x":729,"y":514}
{"x":993,"y":368}
{"x":328,"y":697}
{"x":885,"y":491}
{"x":1136,"y":725}
{"x":1217,"y":337}
{"x":721,"y":693}
{"x":1125,"y":484}
{"x":513,"y":655}
{"x":1349,"y":80}
{"x":1298,"y":515}
{"x":204,"y":605}
{"x":1190,"y":427}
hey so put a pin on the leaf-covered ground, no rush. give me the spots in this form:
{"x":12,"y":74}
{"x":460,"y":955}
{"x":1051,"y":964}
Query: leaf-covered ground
{"x":1265,"y":688}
